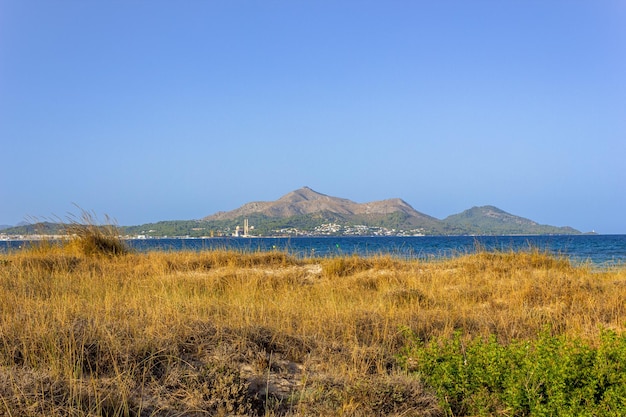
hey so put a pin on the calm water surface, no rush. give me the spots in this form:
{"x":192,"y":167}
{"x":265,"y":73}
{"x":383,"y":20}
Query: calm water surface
{"x":598,"y":249}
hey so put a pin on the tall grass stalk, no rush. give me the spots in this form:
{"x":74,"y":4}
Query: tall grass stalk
{"x":92,"y":237}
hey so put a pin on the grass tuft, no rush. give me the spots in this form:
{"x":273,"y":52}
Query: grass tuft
{"x":92,"y":238}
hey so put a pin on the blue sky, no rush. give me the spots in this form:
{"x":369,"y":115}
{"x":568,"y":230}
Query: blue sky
{"x":161,"y":110}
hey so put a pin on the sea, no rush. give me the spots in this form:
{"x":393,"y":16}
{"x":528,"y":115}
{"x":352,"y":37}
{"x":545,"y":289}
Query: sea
{"x":597,"y":250}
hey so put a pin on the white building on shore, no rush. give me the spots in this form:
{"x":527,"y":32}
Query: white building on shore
{"x":245,"y":232}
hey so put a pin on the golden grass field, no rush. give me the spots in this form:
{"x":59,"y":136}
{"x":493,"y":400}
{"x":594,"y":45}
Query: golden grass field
{"x":228,"y":333}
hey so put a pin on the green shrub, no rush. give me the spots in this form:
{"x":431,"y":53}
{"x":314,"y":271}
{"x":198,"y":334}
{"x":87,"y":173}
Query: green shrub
{"x":550,"y":376}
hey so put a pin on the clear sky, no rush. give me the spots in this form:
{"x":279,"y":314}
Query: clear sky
{"x":172,"y":110}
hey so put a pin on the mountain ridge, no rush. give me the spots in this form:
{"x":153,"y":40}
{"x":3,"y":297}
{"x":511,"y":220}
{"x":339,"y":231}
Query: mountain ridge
{"x":308,"y":201}
{"x":306,"y":212}
{"x":298,"y":210}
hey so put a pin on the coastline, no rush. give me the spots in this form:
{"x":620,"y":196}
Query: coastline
{"x":600,"y":250}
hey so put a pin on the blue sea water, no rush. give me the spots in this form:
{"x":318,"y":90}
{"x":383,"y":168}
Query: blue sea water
{"x":601,"y":250}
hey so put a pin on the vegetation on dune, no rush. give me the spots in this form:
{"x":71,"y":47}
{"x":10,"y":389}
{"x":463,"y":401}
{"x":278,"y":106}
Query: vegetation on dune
{"x":90,"y":238}
{"x":553,"y":375}
{"x":86,"y":330}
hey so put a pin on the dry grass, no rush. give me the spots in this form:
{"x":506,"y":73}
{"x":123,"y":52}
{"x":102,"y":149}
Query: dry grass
{"x":89,"y":237}
{"x":226,"y":333}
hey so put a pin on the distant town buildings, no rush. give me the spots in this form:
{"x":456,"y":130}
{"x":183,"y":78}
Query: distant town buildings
{"x":245,"y":232}
{"x":334,"y":229}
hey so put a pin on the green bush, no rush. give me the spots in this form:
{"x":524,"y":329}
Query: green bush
{"x":550,"y":376}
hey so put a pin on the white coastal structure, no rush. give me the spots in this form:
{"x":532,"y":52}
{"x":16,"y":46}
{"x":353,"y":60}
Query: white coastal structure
{"x":246,"y":230}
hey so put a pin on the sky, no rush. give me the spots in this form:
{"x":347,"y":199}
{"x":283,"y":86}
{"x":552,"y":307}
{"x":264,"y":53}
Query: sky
{"x":160,"y":110}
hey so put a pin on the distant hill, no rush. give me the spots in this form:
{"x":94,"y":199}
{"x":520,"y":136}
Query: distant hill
{"x":41,"y":228}
{"x":305,"y":211}
{"x":306,"y":201}
{"x":477,"y":220}
{"x":308,"y":212}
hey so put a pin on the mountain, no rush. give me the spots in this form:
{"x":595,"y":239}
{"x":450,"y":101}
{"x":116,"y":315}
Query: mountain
{"x":307,"y":201}
{"x":306,"y":211}
{"x":477,"y":220}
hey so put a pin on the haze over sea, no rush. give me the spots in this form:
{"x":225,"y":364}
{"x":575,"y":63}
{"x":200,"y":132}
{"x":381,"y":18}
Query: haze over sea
{"x":600,"y":250}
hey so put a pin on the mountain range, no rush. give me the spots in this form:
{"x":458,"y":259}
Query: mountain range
{"x":308,"y":212}
{"x":307,"y":201}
